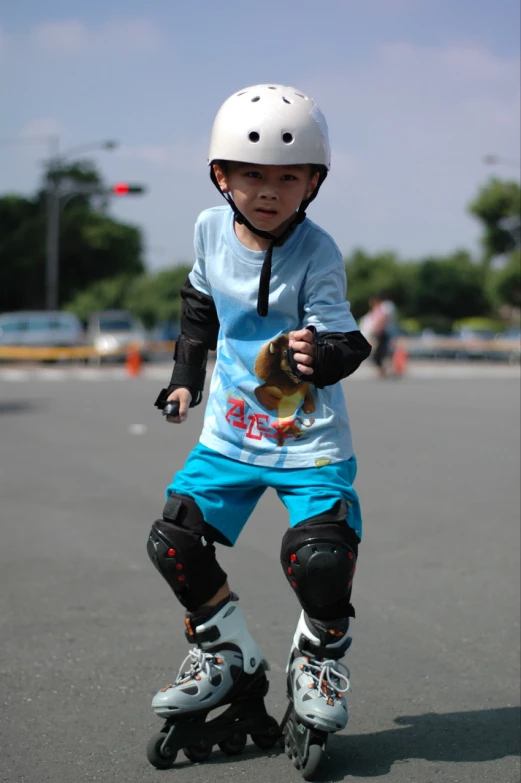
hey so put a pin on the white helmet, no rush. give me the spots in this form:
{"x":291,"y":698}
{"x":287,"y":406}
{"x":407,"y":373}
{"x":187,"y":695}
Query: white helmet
{"x":272,"y":125}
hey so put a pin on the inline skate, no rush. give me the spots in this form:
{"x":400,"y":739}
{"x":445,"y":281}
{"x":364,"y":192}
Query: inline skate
{"x":226,"y":667}
{"x":317,"y":683}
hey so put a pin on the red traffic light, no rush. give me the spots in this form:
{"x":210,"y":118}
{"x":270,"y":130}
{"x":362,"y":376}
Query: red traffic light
{"x":124,"y":189}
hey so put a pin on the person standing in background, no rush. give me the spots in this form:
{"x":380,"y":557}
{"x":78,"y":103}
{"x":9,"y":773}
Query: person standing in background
{"x":379,"y":327}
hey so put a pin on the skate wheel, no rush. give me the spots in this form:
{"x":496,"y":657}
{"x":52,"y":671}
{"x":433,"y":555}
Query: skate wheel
{"x":287,"y":744}
{"x":197,"y":753}
{"x":155,"y":755}
{"x":234,"y":744}
{"x":313,"y":760}
{"x":267,"y":740}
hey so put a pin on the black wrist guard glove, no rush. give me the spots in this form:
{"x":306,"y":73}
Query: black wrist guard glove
{"x":189,"y":371}
{"x":327,"y":364}
{"x":323,"y":362}
{"x":337,"y":355}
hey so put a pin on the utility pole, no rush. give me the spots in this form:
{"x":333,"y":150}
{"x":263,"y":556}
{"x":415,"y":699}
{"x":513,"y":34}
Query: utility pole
{"x":53,"y":230}
{"x":54,"y":202}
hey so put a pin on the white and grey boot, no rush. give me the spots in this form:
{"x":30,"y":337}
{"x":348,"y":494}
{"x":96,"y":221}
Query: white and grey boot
{"x":317,"y":679}
{"x":224,"y":651}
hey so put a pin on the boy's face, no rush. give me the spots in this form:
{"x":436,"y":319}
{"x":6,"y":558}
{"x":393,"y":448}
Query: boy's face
{"x":268,"y":196}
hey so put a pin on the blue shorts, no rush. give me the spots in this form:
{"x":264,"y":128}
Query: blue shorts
{"x":227,"y":490}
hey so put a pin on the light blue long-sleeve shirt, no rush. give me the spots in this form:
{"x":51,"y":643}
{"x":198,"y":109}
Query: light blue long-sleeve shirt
{"x":255,"y":413}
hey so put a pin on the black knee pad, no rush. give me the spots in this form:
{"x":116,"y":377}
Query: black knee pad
{"x":182,"y":549}
{"x":319,"y":559}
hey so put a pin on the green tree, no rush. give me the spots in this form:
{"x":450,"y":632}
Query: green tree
{"x":95,"y":247}
{"x":498,"y":207}
{"x":22,"y":260}
{"x":507,"y":281}
{"x":368,"y":275}
{"x":157,"y":297}
{"x":111,"y":294}
{"x":447,"y":289}
{"x":82,"y":172}
{"x":152,"y":298}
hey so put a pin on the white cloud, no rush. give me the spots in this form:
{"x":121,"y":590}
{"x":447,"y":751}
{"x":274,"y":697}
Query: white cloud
{"x":36,"y":141}
{"x":418,"y":122}
{"x":389,"y":6}
{"x":42,"y":126}
{"x":190,"y":156}
{"x":61,"y":38}
{"x":73,"y":38}
{"x":430,"y":88}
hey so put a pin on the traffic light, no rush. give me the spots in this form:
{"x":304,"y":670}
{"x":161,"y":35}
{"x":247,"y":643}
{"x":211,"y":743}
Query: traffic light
{"x":126,"y":189}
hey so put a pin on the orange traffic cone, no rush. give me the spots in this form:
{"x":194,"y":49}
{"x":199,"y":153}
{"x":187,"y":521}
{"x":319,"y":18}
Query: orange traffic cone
{"x":133,"y":361}
{"x":400,"y":358}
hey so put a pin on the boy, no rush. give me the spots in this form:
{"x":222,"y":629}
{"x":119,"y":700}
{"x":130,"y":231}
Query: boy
{"x":268,"y":291}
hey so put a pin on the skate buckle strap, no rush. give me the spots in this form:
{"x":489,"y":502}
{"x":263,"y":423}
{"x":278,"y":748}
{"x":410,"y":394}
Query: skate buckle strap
{"x":328,"y":675}
{"x":309,"y":647}
{"x":197,"y":662}
{"x":211,"y":634}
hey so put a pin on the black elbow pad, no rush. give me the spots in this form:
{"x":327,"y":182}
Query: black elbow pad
{"x":199,"y":319}
{"x":337,"y":356}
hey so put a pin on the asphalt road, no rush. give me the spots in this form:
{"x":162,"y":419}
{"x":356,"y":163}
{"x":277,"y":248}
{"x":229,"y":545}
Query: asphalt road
{"x":89,"y":631}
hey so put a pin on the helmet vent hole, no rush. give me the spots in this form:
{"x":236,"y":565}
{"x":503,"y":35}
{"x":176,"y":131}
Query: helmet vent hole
{"x":241,"y":93}
{"x":285,"y":100}
{"x":257,"y":98}
{"x":254,"y":136}
{"x":272,"y":88}
{"x":300,"y":95}
{"x":287,"y":138}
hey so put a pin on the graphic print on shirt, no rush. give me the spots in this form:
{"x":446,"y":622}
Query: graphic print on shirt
{"x":282,"y":391}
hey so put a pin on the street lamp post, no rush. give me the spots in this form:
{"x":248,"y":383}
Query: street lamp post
{"x":52,"y":249}
{"x":54,"y":196}
{"x":496,"y":160}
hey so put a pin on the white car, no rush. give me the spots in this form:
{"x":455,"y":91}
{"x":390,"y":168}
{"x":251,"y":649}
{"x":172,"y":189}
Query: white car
{"x":114,"y":332}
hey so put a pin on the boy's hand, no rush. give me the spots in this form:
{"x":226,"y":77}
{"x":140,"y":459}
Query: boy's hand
{"x":184,"y":398}
{"x":302,"y":342}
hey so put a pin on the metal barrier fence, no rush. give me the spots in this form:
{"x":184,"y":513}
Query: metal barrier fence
{"x":78,"y":352}
{"x":414,"y":347}
{"x":459,"y":348}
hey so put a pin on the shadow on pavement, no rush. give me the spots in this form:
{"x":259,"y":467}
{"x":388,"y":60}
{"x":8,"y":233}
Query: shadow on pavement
{"x":16,"y":406}
{"x":482,"y":735}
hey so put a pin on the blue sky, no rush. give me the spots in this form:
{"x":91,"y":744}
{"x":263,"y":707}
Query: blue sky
{"x":415,"y":92}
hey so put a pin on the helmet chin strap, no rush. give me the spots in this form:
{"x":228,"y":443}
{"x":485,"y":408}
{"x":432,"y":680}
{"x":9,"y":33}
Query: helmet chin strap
{"x":265,"y":275}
